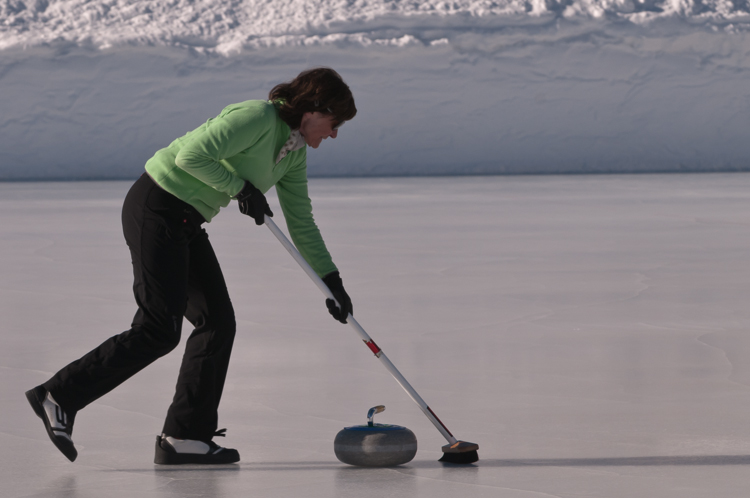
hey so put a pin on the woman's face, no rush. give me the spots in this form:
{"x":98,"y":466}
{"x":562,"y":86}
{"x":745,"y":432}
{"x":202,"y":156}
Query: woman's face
{"x":316,"y":127}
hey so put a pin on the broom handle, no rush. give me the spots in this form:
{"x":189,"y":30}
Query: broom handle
{"x":366,"y":338}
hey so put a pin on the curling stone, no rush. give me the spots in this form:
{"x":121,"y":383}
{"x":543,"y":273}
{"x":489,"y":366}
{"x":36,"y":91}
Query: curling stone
{"x":375,"y":445}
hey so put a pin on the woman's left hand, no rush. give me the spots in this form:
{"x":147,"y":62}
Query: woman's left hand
{"x":336,"y":286}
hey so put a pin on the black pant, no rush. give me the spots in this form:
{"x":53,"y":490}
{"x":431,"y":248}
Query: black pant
{"x":176,"y":274}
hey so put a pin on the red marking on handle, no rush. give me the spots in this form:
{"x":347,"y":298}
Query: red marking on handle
{"x":373,"y":347}
{"x":440,"y":422}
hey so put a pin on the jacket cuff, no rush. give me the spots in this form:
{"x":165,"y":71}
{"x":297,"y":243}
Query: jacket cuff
{"x":236,"y":186}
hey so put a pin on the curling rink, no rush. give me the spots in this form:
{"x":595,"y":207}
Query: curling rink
{"x":590,"y":333}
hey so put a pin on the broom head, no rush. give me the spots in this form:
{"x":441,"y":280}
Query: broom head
{"x":460,"y":452}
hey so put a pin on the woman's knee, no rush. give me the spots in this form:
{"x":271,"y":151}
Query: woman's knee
{"x":162,"y":339}
{"x":225,"y":324}
{"x":220,"y":320}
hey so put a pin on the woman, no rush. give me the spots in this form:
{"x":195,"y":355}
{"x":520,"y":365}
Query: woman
{"x":240,"y":154}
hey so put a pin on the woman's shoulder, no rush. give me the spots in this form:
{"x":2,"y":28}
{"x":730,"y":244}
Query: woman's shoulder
{"x":252,"y":109}
{"x":252,"y":118}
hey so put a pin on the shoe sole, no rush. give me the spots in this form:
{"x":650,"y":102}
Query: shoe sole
{"x":65,"y":446}
{"x":164,"y":457}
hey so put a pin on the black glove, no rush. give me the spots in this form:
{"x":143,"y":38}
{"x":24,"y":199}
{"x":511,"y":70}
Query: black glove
{"x":253,"y":203}
{"x":333,"y":281}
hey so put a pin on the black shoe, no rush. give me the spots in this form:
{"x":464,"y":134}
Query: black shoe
{"x":173,"y":451}
{"x":59,"y":424}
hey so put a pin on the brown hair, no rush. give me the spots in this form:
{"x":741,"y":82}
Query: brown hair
{"x":315,"y":90}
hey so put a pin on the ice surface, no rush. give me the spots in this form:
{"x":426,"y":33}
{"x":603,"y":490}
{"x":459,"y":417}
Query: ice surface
{"x":589,"y":332}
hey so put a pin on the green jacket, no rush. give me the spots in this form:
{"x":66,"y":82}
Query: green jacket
{"x":208,"y":166}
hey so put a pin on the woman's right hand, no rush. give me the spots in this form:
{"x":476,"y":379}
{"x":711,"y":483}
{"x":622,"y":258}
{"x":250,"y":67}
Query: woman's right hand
{"x":253,"y":203}
{"x":336,"y":286}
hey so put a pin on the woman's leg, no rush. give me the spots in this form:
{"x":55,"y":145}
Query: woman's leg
{"x":193,"y":413}
{"x":158,"y":232}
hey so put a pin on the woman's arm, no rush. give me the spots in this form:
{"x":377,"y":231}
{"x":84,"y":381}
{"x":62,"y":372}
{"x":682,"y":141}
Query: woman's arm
{"x":225,"y":136}
{"x":297,"y":208}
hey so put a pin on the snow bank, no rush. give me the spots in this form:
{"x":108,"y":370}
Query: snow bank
{"x":92,"y":88}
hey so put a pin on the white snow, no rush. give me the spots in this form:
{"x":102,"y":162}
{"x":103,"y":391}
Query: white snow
{"x":226,"y":26}
{"x":90,"y":89}
{"x":588,"y":332}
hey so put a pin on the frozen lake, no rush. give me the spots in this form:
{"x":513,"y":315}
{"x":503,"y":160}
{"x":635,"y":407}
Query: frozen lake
{"x":588,"y":332}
